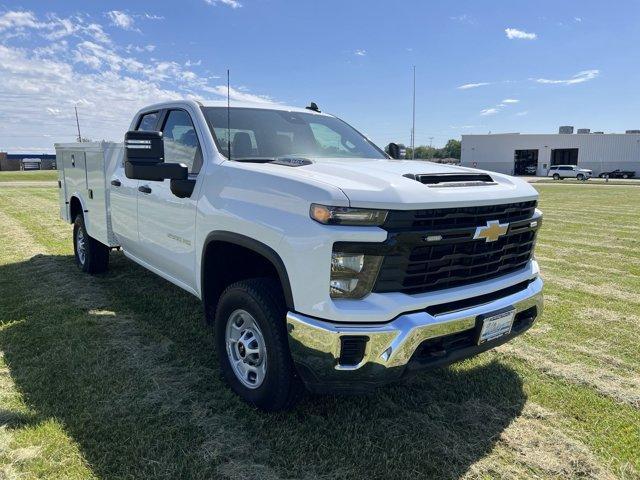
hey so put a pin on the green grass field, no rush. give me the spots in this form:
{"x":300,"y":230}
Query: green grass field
{"x":29,"y":176}
{"x":115,"y":376}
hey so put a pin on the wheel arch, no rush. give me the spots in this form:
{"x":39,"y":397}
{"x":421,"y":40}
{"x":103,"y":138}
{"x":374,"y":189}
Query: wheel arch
{"x":75,"y":207}
{"x":227,"y":244}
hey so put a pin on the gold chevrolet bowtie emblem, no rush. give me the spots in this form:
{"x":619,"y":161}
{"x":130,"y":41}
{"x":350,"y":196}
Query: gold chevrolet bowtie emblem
{"x":492,"y":231}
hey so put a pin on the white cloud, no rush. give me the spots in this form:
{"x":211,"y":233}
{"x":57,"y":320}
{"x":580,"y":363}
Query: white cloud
{"x":514,"y":33}
{"x":43,"y":79}
{"x":19,"y":20}
{"x":151,"y":16}
{"x":489,"y":111}
{"x":579,"y":77}
{"x":360,"y":53}
{"x":191,"y":63}
{"x":464,"y":18}
{"x":510,"y":100}
{"x":522,"y":114}
{"x":577,"y":19}
{"x":467,"y":86}
{"x":237,"y":94}
{"x":228,"y":3}
{"x":121,"y":19}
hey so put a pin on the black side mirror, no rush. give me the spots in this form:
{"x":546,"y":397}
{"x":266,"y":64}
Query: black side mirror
{"x":394,"y":150}
{"x":144,"y":158}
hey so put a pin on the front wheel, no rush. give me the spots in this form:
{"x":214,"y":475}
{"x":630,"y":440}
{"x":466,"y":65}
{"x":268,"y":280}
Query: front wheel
{"x":580,"y":177}
{"x":624,"y":175}
{"x":252,"y":345}
{"x":91,"y":255}
{"x":556,"y":176}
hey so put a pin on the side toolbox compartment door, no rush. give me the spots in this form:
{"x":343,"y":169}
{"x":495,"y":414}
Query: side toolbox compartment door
{"x":62,"y":186}
{"x":75,"y":174}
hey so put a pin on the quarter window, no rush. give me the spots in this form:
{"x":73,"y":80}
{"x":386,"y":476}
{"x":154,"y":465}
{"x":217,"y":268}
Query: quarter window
{"x":180,"y":141}
{"x":148,"y":122}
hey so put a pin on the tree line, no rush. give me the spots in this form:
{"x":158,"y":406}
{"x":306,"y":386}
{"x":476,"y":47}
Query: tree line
{"x":452,"y":149}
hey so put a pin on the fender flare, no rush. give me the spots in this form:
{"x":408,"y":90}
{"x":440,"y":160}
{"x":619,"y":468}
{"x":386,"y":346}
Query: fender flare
{"x":258,"y":247}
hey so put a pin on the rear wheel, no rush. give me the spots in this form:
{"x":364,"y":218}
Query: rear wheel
{"x":556,"y":176}
{"x":624,"y":175}
{"x":252,"y":345}
{"x":91,"y":255}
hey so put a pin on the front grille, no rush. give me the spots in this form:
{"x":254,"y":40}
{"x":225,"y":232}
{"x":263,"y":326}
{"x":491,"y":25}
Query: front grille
{"x":446,"y":218}
{"x":415,"y":265}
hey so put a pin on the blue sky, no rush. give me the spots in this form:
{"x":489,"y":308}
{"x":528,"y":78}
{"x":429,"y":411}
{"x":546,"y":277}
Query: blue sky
{"x":498,"y":66}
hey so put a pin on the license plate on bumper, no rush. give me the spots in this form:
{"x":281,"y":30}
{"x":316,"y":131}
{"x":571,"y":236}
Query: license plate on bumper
{"x":496,"y":325}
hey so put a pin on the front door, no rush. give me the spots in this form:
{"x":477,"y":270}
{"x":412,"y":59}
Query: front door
{"x":166,"y":223}
{"x":123,"y":197}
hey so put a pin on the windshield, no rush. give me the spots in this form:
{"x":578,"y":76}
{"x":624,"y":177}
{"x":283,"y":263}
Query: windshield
{"x":268,"y":134}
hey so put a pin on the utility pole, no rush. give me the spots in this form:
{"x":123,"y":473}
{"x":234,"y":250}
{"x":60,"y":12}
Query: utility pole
{"x":413,"y":124}
{"x":78,"y":123}
{"x":430,"y":147}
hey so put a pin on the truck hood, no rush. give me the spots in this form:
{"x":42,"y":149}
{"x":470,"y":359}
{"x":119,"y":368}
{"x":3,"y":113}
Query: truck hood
{"x":384,"y":183}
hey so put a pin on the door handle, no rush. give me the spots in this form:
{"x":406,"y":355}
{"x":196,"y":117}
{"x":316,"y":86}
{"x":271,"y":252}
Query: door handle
{"x":144,"y":189}
{"x":116,"y":182}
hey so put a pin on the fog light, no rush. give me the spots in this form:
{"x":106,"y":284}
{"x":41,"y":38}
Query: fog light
{"x":342,"y":287}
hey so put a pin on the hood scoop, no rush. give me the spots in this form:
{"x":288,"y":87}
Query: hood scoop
{"x":443,"y":180}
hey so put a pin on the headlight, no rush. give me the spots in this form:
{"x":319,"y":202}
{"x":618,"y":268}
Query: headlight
{"x":353,"y":274}
{"x":347,"y":216}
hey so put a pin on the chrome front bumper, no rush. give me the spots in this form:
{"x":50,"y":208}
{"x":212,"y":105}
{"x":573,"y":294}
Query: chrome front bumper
{"x":389,"y":352}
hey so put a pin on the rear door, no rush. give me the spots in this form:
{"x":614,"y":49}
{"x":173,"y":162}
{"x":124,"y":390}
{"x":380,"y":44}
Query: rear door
{"x":166,"y":223}
{"x":124,"y":196}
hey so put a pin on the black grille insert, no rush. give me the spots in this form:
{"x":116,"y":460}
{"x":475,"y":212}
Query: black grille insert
{"x":448,"y":218}
{"x":432,"y":250}
{"x":352,"y":349}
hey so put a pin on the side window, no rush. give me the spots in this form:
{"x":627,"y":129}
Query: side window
{"x":148,"y":122}
{"x":180,"y":141}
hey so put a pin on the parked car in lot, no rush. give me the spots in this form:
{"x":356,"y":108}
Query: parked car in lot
{"x":618,"y":174}
{"x":558,"y":172}
{"x":320,"y":260}
{"x":530,"y":169}
{"x":30,"y":164}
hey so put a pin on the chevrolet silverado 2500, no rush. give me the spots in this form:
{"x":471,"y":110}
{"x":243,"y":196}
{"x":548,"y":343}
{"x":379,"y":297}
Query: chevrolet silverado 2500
{"x":321,"y":261}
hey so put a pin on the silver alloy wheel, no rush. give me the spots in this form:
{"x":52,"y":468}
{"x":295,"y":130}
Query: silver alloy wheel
{"x":246,"y":348}
{"x":81,"y":245}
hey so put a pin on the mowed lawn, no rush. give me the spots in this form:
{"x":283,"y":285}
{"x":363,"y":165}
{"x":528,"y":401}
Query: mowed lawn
{"x":29,"y":176}
{"x":115,"y":376}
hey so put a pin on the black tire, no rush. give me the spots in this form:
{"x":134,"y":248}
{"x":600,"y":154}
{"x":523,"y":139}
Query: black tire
{"x":95,"y":258}
{"x":580,"y":177}
{"x":556,"y":176}
{"x":263,"y":299}
{"x":625,"y":175}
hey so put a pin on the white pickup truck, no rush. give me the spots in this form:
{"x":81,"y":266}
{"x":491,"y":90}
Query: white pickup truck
{"x":321,"y":261}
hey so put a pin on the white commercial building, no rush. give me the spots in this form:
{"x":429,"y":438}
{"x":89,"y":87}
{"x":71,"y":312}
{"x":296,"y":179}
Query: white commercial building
{"x":533,"y":154}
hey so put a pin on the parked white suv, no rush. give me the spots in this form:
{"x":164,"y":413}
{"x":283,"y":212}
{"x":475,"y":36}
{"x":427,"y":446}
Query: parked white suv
{"x":558,"y":172}
{"x":320,"y":260}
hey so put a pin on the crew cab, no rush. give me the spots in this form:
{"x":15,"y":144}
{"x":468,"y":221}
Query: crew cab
{"x":321,"y":261}
{"x":558,"y":172}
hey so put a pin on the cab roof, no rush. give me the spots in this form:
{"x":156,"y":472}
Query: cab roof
{"x":234,"y":104}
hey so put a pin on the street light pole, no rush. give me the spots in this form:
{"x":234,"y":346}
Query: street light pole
{"x":413,"y":124}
